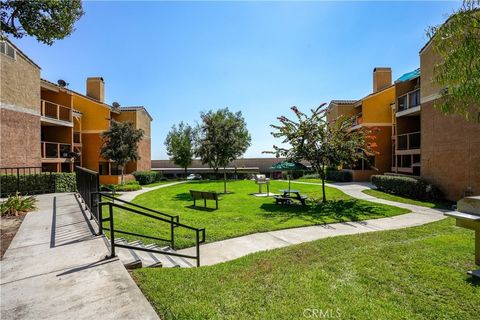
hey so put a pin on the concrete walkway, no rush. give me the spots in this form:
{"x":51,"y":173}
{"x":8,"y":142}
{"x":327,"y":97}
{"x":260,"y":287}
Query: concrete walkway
{"x":129,"y":196}
{"x":55,"y":268}
{"x":230,"y":249}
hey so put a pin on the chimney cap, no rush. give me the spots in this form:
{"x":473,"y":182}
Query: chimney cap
{"x":376,"y":69}
{"x":95,"y":78}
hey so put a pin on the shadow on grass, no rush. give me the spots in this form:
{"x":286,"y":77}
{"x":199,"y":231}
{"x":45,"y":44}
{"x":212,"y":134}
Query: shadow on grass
{"x":198,"y":208}
{"x":474,"y":281}
{"x":334,"y":210}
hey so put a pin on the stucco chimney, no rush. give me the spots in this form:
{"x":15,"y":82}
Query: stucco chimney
{"x":382,"y":78}
{"x":95,"y":88}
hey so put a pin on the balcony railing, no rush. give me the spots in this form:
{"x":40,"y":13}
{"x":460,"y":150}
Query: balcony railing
{"x":77,"y":137}
{"x":56,"y":150}
{"x":358,"y":120}
{"x":409,"y":100}
{"x":55,"y":111}
{"x":408,"y":141}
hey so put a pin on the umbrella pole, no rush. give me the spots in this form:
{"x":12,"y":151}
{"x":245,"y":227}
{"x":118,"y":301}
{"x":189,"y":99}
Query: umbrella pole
{"x":288,"y":183}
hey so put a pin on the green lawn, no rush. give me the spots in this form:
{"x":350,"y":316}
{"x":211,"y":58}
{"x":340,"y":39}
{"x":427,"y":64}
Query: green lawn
{"x":391,"y":197}
{"x":241,"y":213}
{"x":414,"y":273}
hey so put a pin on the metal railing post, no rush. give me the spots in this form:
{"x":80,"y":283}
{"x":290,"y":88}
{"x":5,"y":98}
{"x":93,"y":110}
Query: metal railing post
{"x":198,"y":247}
{"x":172,"y":230}
{"x":112,"y":233}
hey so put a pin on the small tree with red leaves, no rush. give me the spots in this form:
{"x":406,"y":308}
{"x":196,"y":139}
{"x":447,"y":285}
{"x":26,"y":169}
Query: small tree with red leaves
{"x":324,"y":145}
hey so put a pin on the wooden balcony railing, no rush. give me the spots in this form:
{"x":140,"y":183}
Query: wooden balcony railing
{"x":408,"y":141}
{"x":56,"y":150}
{"x":56,"y":111}
{"x":77,"y":138}
{"x":409,"y":100}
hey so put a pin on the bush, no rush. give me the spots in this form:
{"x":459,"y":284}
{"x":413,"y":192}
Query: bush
{"x":127,"y":186}
{"x":406,"y":186}
{"x":339,"y":175}
{"x":17,"y":204}
{"x":147,"y":177}
{"x":37,"y":183}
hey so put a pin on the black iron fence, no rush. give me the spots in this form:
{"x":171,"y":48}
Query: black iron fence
{"x":88,"y":186}
{"x":26,"y":181}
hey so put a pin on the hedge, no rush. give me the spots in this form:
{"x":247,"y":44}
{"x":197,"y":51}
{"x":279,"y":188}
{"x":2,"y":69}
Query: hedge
{"x":406,"y":186}
{"x":127,"y":186}
{"x":147,"y":177}
{"x":339,"y":175}
{"x":38,"y":183}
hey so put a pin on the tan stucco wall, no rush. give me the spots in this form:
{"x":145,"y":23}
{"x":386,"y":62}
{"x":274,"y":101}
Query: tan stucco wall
{"x":20,"y":82}
{"x":428,"y":59}
{"x":19,"y":139}
{"x":377,"y":108}
{"x":20,"y":112}
{"x":450,"y":152}
{"x":337,"y":110}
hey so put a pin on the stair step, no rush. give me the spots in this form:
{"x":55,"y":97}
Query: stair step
{"x":166,"y":260}
{"x":149,"y":260}
{"x":128,"y":257}
{"x":176,"y":261}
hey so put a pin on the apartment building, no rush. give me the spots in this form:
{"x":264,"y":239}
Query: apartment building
{"x":50,"y":126}
{"x":373,"y":111}
{"x":406,"y":125}
{"x":450,"y":145}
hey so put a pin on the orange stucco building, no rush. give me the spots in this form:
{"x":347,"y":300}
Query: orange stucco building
{"x":373,"y":111}
{"x":61,"y":127}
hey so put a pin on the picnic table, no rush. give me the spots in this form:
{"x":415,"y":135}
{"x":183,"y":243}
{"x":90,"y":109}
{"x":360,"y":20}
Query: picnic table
{"x":288,"y":196}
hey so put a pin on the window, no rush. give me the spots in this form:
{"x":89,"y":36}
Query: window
{"x":7,"y":49}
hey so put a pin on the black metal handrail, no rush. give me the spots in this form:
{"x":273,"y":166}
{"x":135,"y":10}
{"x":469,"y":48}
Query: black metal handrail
{"x":173,"y":224}
{"x":88,"y":182}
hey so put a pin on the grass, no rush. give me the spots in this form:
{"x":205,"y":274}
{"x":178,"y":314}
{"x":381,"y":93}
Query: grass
{"x":414,"y":273}
{"x":429,"y":204}
{"x":241,"y":213}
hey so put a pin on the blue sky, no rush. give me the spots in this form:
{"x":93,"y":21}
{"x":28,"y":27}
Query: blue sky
{"x":180,"y":58}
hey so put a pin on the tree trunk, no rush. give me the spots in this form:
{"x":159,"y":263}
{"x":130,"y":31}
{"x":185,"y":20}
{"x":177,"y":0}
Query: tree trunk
{"x":122,"y":173}
{"x":186,"y":171}
{"x":322,"y":176}
{"x":224,"y":180}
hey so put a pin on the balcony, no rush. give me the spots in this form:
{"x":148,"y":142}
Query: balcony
{"x":55,"y":150}
{"x":77,"y":139}
{"x":408,"y":142}
{"x":55,"y":113}
{"x":357,"y":122}
{"x":409,"y":103}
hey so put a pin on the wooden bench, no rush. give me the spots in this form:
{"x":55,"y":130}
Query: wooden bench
{"x":204,"y":195}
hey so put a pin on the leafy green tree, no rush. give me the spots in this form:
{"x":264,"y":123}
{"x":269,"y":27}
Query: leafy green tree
{"x":47,"y":20}
{"x":120,"y":143}
{"x":322,"y":144}
{"x":222,"y":137}
{"x":457,"y":42}
{"x":179,"y":143}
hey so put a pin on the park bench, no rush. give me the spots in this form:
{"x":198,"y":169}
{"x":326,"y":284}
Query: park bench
{"x":288,"y":200}
{"x":204,"y":195}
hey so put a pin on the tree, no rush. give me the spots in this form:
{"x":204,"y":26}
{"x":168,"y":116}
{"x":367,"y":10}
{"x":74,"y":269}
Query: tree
{"x":120,"y":143}
{"x":179,"y":143}
{"x":322,"y":144}
{"x":457,"y":42}
{"x":47,"y":20}
{"x":222,"y":137}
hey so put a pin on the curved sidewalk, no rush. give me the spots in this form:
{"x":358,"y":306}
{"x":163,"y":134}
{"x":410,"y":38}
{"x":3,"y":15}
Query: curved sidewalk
{"x":129,"y":196}
{"x":230,"y":249}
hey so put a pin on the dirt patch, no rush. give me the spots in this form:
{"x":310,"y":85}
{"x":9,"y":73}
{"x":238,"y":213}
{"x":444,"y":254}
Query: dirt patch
{"x":8,"y":229}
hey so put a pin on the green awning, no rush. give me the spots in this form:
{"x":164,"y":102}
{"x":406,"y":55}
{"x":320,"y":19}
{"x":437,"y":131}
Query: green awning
{"x":409,"y":75}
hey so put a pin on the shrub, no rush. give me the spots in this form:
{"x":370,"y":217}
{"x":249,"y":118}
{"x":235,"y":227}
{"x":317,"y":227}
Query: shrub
{"x":339,"y":175}
{"x":147,"y":177}
{"x":38,"y":183}
{"x":311,"y":176}
{"x":406,"y":186}
{"x":16,"y":204}
{"x":127,"y":186}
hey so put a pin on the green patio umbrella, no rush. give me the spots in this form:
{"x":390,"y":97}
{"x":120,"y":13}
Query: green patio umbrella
{"x":289,"y":166}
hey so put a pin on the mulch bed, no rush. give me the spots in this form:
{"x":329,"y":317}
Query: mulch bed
{"x":8,"y":228}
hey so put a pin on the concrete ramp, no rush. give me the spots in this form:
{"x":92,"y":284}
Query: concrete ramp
{"x":55,"y":268}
